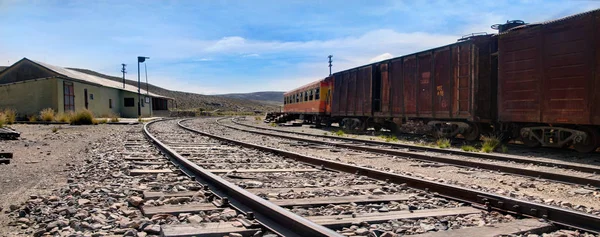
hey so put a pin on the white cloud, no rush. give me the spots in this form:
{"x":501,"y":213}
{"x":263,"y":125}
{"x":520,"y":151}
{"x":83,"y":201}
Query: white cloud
{"x":381,"y":57}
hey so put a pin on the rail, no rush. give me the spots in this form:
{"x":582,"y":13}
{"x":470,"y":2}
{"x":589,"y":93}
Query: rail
{"x":270,"y":215}
{"x":559,"y":216}
{"x":446,"y":151}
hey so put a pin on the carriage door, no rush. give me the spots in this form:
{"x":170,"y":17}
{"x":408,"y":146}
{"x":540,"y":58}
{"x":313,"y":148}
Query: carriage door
{"x":86,"y":98}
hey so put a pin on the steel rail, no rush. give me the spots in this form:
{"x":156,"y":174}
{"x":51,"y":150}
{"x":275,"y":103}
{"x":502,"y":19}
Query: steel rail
{"x":458,"y":162}
{"x":587,"y":169}
{"x":270,"y":215}
{"x":559,"y":216}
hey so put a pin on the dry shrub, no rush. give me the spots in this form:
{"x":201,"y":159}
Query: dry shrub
{"x":82,"y":117}
{"x":490,"y":143}
{"x":47,"y":115}
{"x":10,"y":116}
{"x":2,"y":120}
{"x":64,"y":117}
{"x":32,"y":118}
{"x":114,"y":118}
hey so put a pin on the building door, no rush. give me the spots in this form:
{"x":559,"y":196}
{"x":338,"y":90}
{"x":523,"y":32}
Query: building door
{"x":69,"y":96}
{"x":86,"y":98}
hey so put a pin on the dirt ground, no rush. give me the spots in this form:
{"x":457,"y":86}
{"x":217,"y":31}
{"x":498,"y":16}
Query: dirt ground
{"x":42,"y":159}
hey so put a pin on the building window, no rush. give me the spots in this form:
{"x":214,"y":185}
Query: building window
{"x":129,"y":102}
{"x":69,"y":96}
{"x":317,"y":96}
{"x":91,"y":96}
{"x":110,"y":103}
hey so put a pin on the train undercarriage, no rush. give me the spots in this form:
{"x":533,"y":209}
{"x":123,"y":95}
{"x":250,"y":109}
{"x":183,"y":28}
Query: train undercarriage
{"x":582,"y":138}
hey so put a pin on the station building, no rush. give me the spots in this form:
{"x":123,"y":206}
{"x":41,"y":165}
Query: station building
{"x":30,"y":86}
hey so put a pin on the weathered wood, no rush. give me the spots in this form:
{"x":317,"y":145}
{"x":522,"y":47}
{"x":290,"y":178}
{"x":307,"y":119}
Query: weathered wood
{"x":346,"y":220}
{"x":217,"y":171}
{"x":203,"y":148}
{"x":149,"y":211}
{"x":205,"y":230}
{"x":134,"y":172}
{"x":339,"y":200}
{"x":157,"y":195}
{"x":237,"y":163}
{"x":148,"y":163}
{"x":143,"y":158}
{"x":516,"y":227}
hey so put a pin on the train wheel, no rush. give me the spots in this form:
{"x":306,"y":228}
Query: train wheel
{"x":591,"y":143}
{"x":473,"y":133}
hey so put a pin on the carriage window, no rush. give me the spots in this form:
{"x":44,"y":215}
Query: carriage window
{"x":306,"y":96}
{"x":317,"y":96}
{"x":310,"y":95}
{"x":297,"y":98}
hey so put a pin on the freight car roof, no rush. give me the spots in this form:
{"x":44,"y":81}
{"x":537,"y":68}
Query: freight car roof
{"x":460,"y":41}
{"x":529,"y":25}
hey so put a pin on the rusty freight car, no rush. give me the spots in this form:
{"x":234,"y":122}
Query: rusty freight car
{"x":450,"y":88}
{"x":549,"y":84}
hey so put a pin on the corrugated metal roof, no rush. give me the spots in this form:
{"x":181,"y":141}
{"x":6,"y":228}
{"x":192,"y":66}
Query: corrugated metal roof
{"x":93,"y":79}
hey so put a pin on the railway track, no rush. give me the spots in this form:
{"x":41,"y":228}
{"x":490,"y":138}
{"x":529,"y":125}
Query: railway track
{"x":580,"y":175}
{"x":330,"y":195}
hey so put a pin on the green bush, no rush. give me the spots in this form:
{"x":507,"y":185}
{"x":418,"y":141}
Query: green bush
{"x":490,"y":143}
{"x":443,"y":143}
{"x":47,"y":115}
{"x":469,"y":148}
{"x":83,"y":117}
{"x":389,"y":138}
{"x":10,"y":116}
{"x":340,"y":133}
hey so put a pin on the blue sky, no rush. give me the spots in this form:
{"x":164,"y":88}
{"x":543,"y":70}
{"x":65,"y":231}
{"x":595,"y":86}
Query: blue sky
{"x":244,"y":46}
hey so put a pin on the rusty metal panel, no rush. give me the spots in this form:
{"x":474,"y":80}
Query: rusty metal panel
{"x":464,"y":67}
{"x":442,"y":82}
{"x":397,"y":87}
{"x":364,"y":91}
{"x":568,"y":70}
{"x":351,"y":94}
{"x":385,"y":89}
{"x":596,"y":95}
{"x":410,"y":85}
{"x":336,"y":95}
{"x":548,"y":72}
{"x":424,"y":92}
{"x":519,"y":73}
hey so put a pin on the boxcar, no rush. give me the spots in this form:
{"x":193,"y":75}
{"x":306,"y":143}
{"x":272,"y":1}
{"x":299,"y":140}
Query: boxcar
{"x":450,"y":88}
{"x":549,"y":84}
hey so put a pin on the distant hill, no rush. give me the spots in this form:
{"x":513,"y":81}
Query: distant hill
{"x":186,"y":100}
{"x":275,"y":97}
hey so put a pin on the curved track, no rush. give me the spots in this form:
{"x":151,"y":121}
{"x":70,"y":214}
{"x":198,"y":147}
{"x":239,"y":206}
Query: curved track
{"x":376,"y":147}
{"x":490,"y":202}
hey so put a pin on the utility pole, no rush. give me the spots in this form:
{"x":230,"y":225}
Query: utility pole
{"x":141,"y":59}
{"x":330,"y":56}
{"x":123,"y":71}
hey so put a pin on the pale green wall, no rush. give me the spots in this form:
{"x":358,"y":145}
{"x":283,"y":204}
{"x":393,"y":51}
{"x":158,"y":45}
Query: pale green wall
{"x":132,"y":112}
{"x":29,"y":97}
{"x":99,"y":105}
